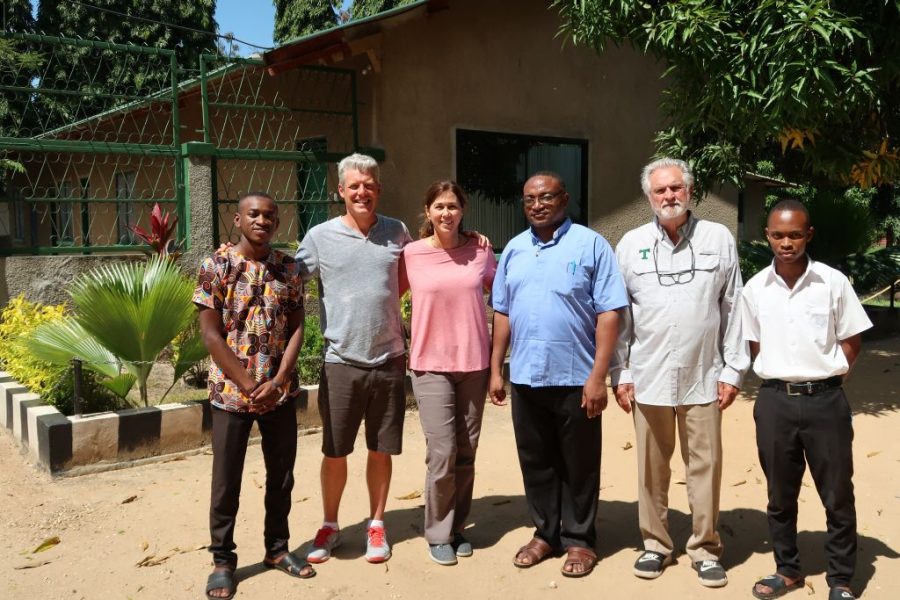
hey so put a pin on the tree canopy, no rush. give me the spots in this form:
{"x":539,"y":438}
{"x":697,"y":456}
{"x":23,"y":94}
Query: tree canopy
{"x":185,"y":26}
{"x":296,"y":18}
{"x":813,"y":85}
{"x":18,"y":64}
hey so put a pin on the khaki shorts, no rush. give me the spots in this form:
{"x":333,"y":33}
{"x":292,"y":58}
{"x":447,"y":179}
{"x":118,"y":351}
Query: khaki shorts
{"x":349,"y":394}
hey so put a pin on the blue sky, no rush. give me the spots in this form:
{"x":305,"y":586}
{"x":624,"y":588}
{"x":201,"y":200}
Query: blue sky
{"x":249,"y":20}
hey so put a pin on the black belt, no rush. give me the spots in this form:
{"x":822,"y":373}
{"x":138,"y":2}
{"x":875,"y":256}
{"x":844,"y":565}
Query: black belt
{"x":808,"y":388}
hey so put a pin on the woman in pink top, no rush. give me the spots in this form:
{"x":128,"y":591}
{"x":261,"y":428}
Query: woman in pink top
{"x":449,"y":357}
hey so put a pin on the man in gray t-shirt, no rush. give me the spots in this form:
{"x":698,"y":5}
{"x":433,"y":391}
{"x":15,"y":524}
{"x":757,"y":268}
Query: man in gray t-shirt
{"x":356,"y":258}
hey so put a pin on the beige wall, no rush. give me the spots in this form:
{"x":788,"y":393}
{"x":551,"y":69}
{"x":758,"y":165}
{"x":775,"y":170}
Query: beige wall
{"x":497,"y":65}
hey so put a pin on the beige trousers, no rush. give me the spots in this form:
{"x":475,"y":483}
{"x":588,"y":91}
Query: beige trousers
{"x":450,"y":407}
{"x":700,"y":438}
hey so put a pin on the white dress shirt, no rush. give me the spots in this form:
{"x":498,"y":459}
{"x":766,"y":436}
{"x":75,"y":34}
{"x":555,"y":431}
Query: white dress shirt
{"x":681,"y":334}
{"x":799,"y":330}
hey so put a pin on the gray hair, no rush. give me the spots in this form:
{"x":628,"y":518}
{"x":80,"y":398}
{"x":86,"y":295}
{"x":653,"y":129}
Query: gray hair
{"x":666,"y":163}
{"x":358,"y":162}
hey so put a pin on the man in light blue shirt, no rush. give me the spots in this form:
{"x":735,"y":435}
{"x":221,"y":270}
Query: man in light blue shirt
{"x":555,"y":298}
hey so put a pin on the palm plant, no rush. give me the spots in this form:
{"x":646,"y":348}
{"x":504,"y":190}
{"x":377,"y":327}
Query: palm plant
{"x":125,"y":315}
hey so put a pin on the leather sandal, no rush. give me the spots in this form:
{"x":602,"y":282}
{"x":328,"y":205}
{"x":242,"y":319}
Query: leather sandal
{"x":291,"y":565}
{"x":221,"y":580}
{"x":534,"y":552}
{"x":778,"y":585}
{"x":578,"y":556}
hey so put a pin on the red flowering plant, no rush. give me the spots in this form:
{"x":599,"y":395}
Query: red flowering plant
{"x":160,"y":238}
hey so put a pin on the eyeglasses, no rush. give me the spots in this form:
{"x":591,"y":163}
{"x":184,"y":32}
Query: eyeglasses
{"x":670,"y":278}
{"x":543,"y":199}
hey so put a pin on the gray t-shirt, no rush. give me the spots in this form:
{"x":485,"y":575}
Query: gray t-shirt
{"x":359,"y":295}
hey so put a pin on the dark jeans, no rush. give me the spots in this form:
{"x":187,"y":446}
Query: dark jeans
{"x":230,"y":432}
{"x":792,"y":431}
{"x":559,"y":453}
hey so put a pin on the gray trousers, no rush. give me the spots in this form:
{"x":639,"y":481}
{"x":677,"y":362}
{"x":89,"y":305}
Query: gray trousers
{"x":450,"y":407}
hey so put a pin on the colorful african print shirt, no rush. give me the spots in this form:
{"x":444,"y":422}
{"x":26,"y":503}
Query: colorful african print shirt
{"x":254,"y":298}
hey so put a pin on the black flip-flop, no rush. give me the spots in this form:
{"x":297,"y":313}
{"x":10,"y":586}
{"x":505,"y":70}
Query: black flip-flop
{"x":221,"y":580}
{"x":291,"y":565}
{"x":778,"y":586}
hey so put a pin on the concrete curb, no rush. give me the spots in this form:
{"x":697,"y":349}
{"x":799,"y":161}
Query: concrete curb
{"x":102,"y":441}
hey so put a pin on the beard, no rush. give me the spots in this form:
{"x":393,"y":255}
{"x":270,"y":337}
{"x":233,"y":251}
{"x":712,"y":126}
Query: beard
{"x":672,"y":211}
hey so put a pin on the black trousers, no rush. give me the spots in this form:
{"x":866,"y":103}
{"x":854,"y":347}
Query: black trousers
{"x":230,"y":432}
{"x":559,"y":453}
{"x":792,"y":431}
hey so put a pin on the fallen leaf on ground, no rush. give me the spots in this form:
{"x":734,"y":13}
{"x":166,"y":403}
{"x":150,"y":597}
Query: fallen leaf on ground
{"x":741,"y":482}
{"x":410,"y":496}
{"x":144,"y":546}
{"x":748,"y":469}
{"x":501,"y":502}
{"x":33,"y":565}
{"x":129,"y":499}
{"x":879,"y":512}
{"x":812,"y":590}
{"x":258,"y":484}
{"x":875,"y":453}
{"x":46,"y":544}
{"x":303,"y":499}
{"x":173,"y":459}
{"x":680,"y":482}
{"x":158,"y":559}
{"x":627,"y":446}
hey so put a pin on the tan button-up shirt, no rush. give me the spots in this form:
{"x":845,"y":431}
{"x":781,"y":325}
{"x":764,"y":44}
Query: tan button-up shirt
{"x":681,"y":334}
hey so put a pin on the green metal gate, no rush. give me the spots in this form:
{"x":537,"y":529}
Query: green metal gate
{"x":277,"y":134}
{"x":92,"y":130}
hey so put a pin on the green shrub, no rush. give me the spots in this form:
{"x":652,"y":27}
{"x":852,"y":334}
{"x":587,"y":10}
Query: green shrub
{"x":53,"y":383}
{"x":309,"y":362}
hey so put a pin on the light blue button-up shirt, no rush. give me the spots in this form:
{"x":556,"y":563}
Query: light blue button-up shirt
{"x":552,"y":293}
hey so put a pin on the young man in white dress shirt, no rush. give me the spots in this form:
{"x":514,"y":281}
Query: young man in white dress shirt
{"x":803,"y":321}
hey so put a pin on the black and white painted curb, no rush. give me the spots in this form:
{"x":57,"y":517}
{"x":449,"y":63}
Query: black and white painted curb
{"x":59,"y":443}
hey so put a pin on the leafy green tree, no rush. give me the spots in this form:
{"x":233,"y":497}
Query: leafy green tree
{"x":366,"y":8}
{"x":811,"y":84}
{"x":18,"y":64}
{"x":91,"y":72}
{"x":296,"y":18}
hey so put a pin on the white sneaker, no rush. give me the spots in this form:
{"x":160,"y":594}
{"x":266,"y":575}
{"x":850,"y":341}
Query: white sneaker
{"x":377,"y":548}
{"x":326,"y":540}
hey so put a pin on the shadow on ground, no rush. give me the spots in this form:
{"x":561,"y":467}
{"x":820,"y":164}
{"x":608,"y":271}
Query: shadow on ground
{"x":744,"y":533}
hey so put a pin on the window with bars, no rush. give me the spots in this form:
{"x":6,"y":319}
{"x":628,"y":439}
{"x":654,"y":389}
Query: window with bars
{"x":492,"y":167}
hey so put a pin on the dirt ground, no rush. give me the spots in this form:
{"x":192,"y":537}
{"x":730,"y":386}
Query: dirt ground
{"x":109,"y":524}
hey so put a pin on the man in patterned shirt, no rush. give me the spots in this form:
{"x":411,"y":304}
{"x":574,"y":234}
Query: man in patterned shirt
{"x":251,"y":316}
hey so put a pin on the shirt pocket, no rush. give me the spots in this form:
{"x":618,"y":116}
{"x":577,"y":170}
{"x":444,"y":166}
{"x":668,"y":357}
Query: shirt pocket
{"x":817,"y":321}
{"x":643,"y":284}
{"x":708,"y":279}
{"x":575,"y":279}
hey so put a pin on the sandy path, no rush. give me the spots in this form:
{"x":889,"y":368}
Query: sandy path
{"x":102,"y":537}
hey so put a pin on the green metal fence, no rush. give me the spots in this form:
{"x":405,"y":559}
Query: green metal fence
{"x":94,"y":129}
{"x":281,"y":135}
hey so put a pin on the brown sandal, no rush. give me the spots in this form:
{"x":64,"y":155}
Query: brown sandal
{"x":534,"y":552}
{"x":578,"y":556}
